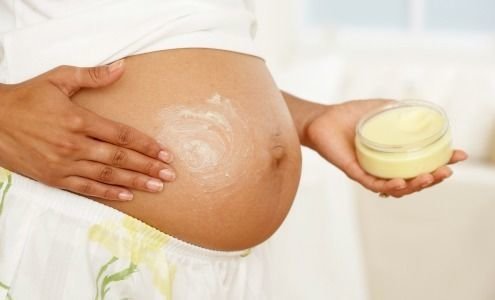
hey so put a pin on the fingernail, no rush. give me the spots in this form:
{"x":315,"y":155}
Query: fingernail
{"x":127,"y":196}
{"x":426,"y":183}
{"x":167,"y":174}
{"x":449,"y":174}
{"x":115,"y":65}
{"x":400,"y":187}
{"x":154,"y":185}
{"x":165,"y":156}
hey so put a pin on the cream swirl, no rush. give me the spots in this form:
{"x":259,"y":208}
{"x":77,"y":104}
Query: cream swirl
{"x":204,"y":138}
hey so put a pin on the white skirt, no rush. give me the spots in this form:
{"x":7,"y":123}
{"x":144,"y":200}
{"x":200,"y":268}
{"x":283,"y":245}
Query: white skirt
{"x":57,"y":245}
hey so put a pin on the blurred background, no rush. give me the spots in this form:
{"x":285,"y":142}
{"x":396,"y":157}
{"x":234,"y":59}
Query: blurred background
{"x":341,"y":241}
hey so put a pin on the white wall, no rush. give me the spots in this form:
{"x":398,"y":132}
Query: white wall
{"x":318,"y":253}
{"x":276,"y":29}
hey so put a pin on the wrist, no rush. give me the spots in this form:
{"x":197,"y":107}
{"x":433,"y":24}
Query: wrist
{"x":307,"y":130}
{"x":303,"y":113}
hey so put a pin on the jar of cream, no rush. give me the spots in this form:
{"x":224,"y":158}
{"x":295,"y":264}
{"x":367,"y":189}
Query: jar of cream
{"x":404,"y":140}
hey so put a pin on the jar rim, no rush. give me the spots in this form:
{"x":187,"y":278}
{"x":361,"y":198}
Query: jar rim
{"x":399,"y":148}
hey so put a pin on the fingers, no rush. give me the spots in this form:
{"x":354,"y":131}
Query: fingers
{"x":91,"y":188}
{"x":417,"y":184}
{"x":113,"y":176}
{"x":441,"y":174}
{"x":399,"y":187}
{"x":71,"y":79}
{"x":421,"y":182}
{"x":458,"y":156}
{"x":125,"y":136}
{"x":123,"y":158}
{"x":355,"y":172}
{"x":396,"y":184}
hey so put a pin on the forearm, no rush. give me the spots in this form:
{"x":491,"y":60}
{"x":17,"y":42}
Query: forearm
{"x":303,"y":113}
{"x":3,"y":101}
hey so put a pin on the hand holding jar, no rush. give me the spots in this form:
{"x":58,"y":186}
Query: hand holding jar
{"x":371,"y":156}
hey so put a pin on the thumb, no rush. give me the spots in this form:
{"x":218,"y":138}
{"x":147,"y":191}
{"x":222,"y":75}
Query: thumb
{"x":71,"y":79}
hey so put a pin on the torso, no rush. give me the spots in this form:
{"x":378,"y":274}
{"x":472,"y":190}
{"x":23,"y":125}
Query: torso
{"x":237,"y":155}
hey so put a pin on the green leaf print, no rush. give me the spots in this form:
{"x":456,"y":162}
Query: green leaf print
{"x":4,"y":191}
{"x":125,"y":239}
{"x":119,"y":276}
{"x":100,"y":273}
{"x":103,"y":287}
{"x":3,"y":285}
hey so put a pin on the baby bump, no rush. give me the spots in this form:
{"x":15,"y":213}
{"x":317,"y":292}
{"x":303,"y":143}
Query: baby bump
{"x":236,"y":152}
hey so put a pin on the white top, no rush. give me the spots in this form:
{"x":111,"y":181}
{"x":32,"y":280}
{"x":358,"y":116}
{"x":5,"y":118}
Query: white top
{"x":38,"y":35}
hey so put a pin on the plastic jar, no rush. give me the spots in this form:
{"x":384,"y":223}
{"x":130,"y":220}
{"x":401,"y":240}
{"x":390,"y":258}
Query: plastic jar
{"x":404,"y":140}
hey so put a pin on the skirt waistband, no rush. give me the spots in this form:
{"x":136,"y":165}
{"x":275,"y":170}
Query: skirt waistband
{"x":93,"y":212}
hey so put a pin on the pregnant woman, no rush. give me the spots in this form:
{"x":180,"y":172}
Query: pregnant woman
{"x":187,"y":150}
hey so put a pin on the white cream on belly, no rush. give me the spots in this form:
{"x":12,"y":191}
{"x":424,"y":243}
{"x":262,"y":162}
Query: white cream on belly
{"x":209,"y":140}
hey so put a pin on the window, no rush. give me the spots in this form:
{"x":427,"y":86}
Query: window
{"x":358,"y":13}
{"x":473,"y":15}
{"x":418,"y":15}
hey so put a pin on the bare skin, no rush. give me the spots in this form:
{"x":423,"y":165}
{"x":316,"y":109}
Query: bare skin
{"x":330,"y":130}
{"x":235,"y":143}
{"x":236,"y":150}
{"x":233,"y":137}
{"x":45,"y":136}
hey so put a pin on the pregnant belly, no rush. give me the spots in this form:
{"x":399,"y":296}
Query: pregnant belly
{"x":237,"y":155}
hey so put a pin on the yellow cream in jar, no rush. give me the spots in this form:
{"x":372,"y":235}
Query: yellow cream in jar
{"x":404,"y":140}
